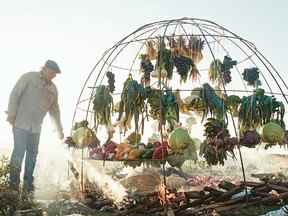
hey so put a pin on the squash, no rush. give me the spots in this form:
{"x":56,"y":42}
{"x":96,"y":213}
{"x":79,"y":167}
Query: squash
{"x":83,"y":137}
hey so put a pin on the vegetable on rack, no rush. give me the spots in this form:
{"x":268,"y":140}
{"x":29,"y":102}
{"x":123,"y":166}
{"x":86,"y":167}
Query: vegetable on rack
{"x":251,"y":75}
{"x":195,"y":45}
{"x":165,"y":62}
{"x":102,"y":106}
{"x":146,"y":67}
{"x":218,"y":143}
{"x":272,"y":134}
{"x":132,"y":103}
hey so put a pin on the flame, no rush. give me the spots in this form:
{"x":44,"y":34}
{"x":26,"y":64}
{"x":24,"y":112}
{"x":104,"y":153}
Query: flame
{"x":165,"y":197}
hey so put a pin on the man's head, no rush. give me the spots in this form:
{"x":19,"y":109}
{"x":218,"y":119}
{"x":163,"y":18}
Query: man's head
{"x":52,"y":69}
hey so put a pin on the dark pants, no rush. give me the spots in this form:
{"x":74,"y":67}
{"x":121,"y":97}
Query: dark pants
{"x":24,"y":142}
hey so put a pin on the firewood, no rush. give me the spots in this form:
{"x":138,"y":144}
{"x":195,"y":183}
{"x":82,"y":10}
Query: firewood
{"x":277,"y":187}
{"x":226,"y":185}
{"x":227,"y":195}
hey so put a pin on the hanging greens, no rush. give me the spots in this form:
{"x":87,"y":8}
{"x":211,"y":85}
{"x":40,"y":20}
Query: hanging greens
{"x":103,"y":105}
{"x":214,"y":104}
{"x":259,"y":109}
{"x":170,"y":108}
{"x":132,"y":103}
{"x":251,"y":75}
{"x":184,"y":66}
{"x":218,"y":143}
{"x":146,"y":67}
{"x":220,"y":72}
{"x":165,"y":61}
{"x":111,"y":81}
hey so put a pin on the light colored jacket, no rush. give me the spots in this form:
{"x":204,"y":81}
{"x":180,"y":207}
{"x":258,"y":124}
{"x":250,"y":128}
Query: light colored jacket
{"x":31,"y":98}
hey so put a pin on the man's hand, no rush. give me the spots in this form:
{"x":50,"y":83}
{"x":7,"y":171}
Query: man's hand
{"x":11,"y":119}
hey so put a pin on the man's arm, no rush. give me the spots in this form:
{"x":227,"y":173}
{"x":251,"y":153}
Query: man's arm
{"x":54,"y":113}
{"x":15,"y":97}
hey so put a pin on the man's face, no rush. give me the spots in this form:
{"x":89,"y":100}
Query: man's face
{"x":51,"y":74}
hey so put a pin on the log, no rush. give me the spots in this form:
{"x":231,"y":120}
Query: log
{"x":277,"y":187}
{"x":214,"y":192}
{"x":226,"y":185}
{"x":227,"y":195}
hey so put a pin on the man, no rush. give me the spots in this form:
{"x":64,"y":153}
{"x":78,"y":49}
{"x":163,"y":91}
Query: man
{"x":31,"y":98}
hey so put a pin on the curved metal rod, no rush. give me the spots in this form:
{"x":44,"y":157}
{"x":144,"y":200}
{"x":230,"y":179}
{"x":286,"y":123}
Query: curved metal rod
{"x":234,"y":125}
{"x":269,"y":73}
{"x":101,"y":69}
{"x":254,"y":50}
{"x":272,"y":67}
{"x":124,"y":46}
{"x":252,"y":61}
{"x":236,"y":66}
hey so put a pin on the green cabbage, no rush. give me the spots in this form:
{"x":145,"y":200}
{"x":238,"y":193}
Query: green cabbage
{"x":83,"y":137}
{"x":272,"y":133}
{"x":179,"y":140}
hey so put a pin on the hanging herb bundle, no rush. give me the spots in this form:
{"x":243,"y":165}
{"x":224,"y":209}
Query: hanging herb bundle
{"x":196,"y":45}
{"x":227,"y":65}
{"x":183,"y":65}
{"x":214,"y":104}
{"x":154,"y":97}
{"x":132,"y":103}
{"x":232,"y":103}
{"x":151,"y":50}
{"x":111,"y":81}
{"x":103,"y":105}
{"x":259,"y":109}
{"x":146,"y":67}
{"x":170,"y":109}
{"x":251,"y":75}
{"x":220,"y":72}
{"x":218,"y":143}
{"x":165,"y":61}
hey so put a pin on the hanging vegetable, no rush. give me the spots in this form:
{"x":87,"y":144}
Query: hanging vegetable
{"x":170,"y":109}
{"x":150,"y":50}
{"x":218,"y":144}
{"x":214,"y":104}
{"x":103,"y":105}
{"x":146,"y":67}
{"x":232,"y":103}
{"x":251,"y":75}
{"x":250,"y":139}
{"x":132,"y":103}
{"x":165,"y":61}
{"x":272,"y":134}
{"x":214,"y":70}
{"x":196,"y":45}
{"x":182,"y":46}
{"x":220,"y":72}
{"x":83,"y":137}
{"x":154,"y":97}
{"x":111,"y":81}
{"x":183,"y":107}
{"x":183,"y":66}
{"x":177,"y":160}
{"x":259,"y":109}
{"x":179,"y":140}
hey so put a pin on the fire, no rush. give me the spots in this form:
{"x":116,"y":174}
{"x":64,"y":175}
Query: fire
{"x":165,"y":197}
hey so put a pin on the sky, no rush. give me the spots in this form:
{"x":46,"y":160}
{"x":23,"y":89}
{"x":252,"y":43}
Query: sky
{"x":76,"y":33}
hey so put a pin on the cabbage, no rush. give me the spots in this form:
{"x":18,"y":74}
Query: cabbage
{"x":83,"y":136}
{"x":179,"y":140}
{"x":272,"y":133}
